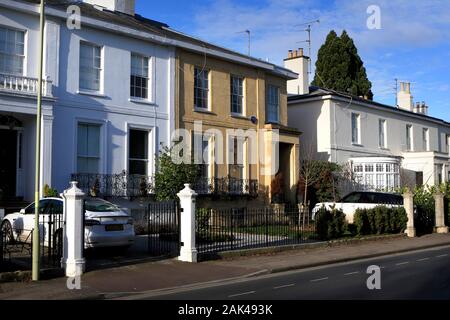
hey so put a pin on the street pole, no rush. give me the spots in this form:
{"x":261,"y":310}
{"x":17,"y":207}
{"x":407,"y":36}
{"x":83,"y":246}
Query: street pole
{"x":36,"y":238}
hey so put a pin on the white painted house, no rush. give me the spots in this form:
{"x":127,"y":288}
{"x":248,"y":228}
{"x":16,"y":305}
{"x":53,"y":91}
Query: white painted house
{"x":108,"y":93}
{"x":386,"y":146}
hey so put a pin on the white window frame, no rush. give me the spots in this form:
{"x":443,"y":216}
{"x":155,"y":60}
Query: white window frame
{"x":357,"y":128}
{"x":269,"y":103}
{"x":25,"y":47}
{"x":148,"y":77}
{"x":207,"y":89}
{"x":146,"y":160}
{"x":101,"y":69}
{"x":382,"y":141}
{"x":241,"y":97}
{"x":426,"y":139}
{"x":102,"y":151}
{"x":151,"y":141}
{"x":409,"y":137}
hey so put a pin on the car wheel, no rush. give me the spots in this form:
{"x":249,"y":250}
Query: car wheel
{"x":8,"y":234}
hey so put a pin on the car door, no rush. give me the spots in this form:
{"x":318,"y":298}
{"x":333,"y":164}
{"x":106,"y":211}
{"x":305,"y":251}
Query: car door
{"x":28,"y":220}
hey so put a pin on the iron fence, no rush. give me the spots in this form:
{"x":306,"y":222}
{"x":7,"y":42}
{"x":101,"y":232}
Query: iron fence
{"x":227,"y":186}
{"x":17,"y":241}
{"x":246,"y":228}
{"x":115,"y":185}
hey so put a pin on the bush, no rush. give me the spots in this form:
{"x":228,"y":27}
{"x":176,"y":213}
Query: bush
{"x":170,"y":176}
{"x":50,"y":192}
{"x":380,"y":220}
{"x":330,"y":224}
{"x":425,"y":206}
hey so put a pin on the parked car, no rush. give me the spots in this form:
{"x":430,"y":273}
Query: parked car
{"x":106,"y":225}
{"x":361,"y":200}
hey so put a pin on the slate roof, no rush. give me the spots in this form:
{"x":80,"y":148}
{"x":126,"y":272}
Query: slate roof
{"x":141,"y":23}
{"x":319,"y":92}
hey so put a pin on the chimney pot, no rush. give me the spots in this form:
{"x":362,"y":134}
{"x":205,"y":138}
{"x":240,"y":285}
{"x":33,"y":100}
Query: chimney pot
{"x":300,"y":52}
{"x":290,"y":54}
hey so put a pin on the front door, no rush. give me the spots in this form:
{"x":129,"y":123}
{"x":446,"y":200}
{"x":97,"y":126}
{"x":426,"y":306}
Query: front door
{"x":8,"y":162}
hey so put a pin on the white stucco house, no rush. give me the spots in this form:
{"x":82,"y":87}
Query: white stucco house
{"x":108,"y":93}
{"x":385,"y":146}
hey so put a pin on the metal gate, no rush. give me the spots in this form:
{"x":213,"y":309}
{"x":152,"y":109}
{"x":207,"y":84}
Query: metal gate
{"x":163,"y":219}
{"x":16,"y":242}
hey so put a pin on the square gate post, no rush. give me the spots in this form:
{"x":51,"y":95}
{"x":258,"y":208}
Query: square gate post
{"x":439,"y":213}
{"x":73,"y":239}
{"x":188,"y":251}
{"x":408,"y":203}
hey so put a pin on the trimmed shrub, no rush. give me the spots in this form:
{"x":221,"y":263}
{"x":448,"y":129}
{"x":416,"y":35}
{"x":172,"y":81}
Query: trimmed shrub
{"x":380,"y":220}
{"x":361,"y":221}
{"x":330,"y":224}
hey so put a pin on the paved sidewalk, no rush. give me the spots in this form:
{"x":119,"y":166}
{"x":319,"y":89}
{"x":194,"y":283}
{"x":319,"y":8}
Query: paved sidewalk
{"x":139,"y":278}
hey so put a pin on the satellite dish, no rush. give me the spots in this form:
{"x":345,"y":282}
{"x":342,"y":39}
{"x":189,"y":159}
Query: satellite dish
{"x":253,"y":119}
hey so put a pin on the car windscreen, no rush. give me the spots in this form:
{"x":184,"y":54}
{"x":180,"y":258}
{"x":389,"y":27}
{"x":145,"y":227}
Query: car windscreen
{"x":99,"y":205}
{"x":354,"y":197}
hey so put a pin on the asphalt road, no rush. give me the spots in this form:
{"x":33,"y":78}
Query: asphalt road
{"x":418,"y":275}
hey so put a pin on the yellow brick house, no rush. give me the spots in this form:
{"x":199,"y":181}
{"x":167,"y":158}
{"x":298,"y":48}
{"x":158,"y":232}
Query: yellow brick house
{"x":220,"y":93}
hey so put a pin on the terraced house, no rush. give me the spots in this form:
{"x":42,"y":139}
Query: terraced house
{"x":226,"y":92}
{"x":115,"y":89}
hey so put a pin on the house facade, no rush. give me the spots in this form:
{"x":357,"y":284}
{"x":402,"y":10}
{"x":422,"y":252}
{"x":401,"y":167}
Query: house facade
{"x":235,"y":110}
{"x":385,"y":146}
{"x":116,"y":87}
{"x":108,"y":96}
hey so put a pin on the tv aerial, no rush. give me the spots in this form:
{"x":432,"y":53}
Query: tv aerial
{"x":309,"y":41}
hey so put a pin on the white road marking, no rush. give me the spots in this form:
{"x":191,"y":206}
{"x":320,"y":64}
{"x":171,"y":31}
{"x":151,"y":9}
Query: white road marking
{"x":442,"y":256}
{"x":285,"y":286}
{"x":351,"y":273}
{"x":242,"y":294}
{"x":321,"y":279}
{"x":423,"y":259}
{"x":402,"y":263}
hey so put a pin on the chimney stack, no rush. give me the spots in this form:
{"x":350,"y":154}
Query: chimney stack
{"x":124,"y":6}
{"x":404,"y":97}
{"x":298,"y":62}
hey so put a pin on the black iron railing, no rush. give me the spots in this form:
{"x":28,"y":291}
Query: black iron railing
{"x":228,"y":229}
{"x":115,"y":185}
{"x":126,"y":185}
{"x":226,"y":187}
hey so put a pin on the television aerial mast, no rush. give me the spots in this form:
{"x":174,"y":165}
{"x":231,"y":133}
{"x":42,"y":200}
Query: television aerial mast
{"x":309,"y":41}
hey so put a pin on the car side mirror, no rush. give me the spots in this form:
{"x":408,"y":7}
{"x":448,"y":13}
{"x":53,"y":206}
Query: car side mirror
{"x":22,"y":211}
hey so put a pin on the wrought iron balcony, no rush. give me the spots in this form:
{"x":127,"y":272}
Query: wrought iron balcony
{"x":115,"y":185}
{"x":24,"y":85}
{"x":227,"y":186}
{"x":132,"y":186}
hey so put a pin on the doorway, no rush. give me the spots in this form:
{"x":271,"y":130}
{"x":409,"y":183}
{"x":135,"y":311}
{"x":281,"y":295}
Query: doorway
{"x":8,"y":162}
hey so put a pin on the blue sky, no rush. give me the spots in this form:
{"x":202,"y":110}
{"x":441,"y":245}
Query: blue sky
{"x":413,"y":43}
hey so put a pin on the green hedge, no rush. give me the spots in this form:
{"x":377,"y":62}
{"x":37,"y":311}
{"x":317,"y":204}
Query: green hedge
{"x":330,"y":224}
{"x":380,"y":220}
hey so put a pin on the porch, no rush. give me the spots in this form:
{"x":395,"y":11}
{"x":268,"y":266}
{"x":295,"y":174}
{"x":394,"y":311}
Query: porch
{"x":18,"y":137}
